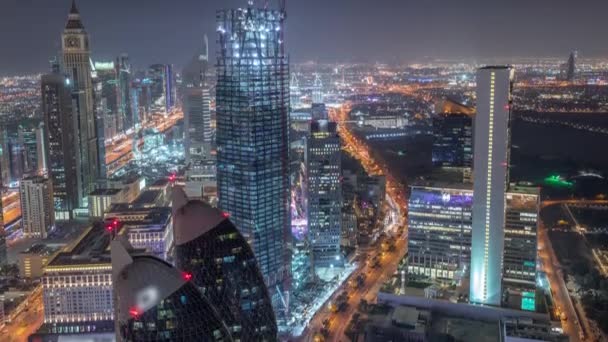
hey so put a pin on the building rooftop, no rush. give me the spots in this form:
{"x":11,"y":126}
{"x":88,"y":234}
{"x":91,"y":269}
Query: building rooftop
{"x":451,"y":178}
{"x":147,"y":198}
{"x":159,"y":183}
{"x":91,"y":247}
{"x":40,"y":249}
{"x":104,"y":192}
{"x":523,"y":189}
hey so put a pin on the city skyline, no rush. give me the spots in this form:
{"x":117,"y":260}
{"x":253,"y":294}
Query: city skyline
{"x":146,"y":194}
{"x":388,"y":30}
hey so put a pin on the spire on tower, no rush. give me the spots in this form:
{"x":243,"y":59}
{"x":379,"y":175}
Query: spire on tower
{"x":74,"y":22}
{"x":74,"y":9}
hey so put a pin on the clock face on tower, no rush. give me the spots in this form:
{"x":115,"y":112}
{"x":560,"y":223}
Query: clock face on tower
{"x":72,"y":42}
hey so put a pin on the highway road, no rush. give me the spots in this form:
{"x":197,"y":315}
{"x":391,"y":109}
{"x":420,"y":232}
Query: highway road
{"x":374,"y":277}
{"x":561,"y":298}
{"x":27,"y":322}
{"x":120,"y":151}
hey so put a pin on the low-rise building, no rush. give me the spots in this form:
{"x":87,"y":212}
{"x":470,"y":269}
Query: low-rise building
{"x":33,"y":260}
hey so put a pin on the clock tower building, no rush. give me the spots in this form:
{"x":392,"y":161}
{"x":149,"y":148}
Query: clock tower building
{"x":77,"y":66}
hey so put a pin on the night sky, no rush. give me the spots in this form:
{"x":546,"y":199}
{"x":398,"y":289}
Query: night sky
{"x":171,"y":31}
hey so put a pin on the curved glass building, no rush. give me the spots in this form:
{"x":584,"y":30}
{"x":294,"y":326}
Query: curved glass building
{"x":223,"y":266}
{"x":156,"y":302}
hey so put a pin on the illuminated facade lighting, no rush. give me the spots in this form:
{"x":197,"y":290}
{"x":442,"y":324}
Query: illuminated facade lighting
{"x":323,"y":192}
{"x":252,"y":105}
{"x":490,"y":178}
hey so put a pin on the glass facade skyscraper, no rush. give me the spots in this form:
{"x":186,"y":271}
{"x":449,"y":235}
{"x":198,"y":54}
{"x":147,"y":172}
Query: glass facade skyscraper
{"x":224,"y":268}
{"x":452,"y":140}
{"x":324,"y":194}
{"x":60,"y":142}
{"x":156,"y":302}
{"x":439,"y":221}
{"x":252,"y":105}
{"x":490,"y":179}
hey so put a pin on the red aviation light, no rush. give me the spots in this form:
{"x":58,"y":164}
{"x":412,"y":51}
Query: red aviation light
{"x":187,"y":276}
{"x":134,"y":313}
{"x":225,"y":214}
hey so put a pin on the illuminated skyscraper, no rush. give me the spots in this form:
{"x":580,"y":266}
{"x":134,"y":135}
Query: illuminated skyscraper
{"x":77,"y":64}
{"x":294,"y":91}
{"x":5,"y":163}
{"x":157,"y":302}
{"x":490,"y":178}
{"x":317,"y":90}
{"x":252,"y":97}
{"x":60,"y":142}
{"x":224,"y":268}
{"x":571,"y":66}
{"x":439,"y":221}
{"x":324,"y":194}
{"x":197,"y":110}
{"x":38,"y":213}
{"x":108,"y":79}
{"x":3,"y":254}
{"x":124,"y":92}
{"x":157,"y":87}
{"x":452,"y":140}
{"x":520,"y":249}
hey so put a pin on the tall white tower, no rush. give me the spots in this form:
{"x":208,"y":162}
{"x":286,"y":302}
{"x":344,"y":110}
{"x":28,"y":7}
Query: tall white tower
{"x":317,"y":90}
{"x":491,"y":178}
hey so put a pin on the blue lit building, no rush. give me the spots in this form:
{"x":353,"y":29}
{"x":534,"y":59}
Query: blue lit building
{"x":490,"y":179}
{"x":439,"y":221}
{"x":252,"y":105}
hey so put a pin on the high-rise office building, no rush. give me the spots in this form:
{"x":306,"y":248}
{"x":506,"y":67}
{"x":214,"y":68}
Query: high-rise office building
{"x":317,"y":90}
{"x":5,"y":163}
{"x":197,"y":124}
{"x":37,"y":209}
{"x":77,"y":64}
{"x":197,"y":108}
{"x":520,"y":248}
{"x":452,"y":140}
{"x":157,"y":302}
{"x":324,"y":194}
{"x":125,"y":109}
{"x":224,"y":268}
{"x":41,"y":148}
{"x":439,"y":221}
{"x":294,"y":91}
{"x":490,"y":177}
{"x":3,"y":251}
{"x":60,"y":140}
{"x":108,"y":77}
{"x":252,"y":105}
{"x":156,"y":76}
{"x":170,"y":91}
{"x":100,"y":115}
{"x":571,"y":66}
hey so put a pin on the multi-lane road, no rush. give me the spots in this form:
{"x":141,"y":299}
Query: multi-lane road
{"x":119,"y":152}
{"x":374,"y":276}
{"x":27,"y":322}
